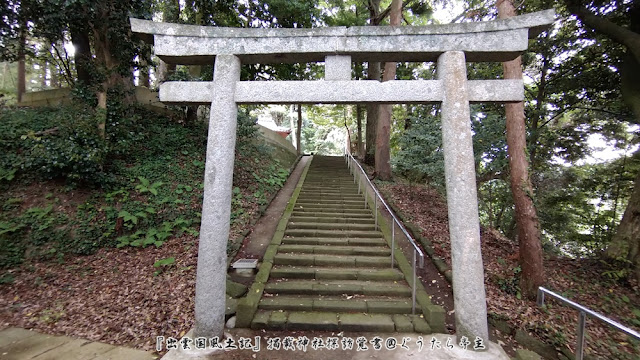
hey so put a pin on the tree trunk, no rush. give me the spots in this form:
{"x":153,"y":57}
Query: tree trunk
{"x":163,"y":70}
{"x":626,"y":242}
{"x":143,"y":74}
{"x":43,"y":82}
{"x":101,"y":111}
{"x":525,"y":212}
{"x":299,"y":130}
{"x":373,"y":73}
{"x":292,"y":125}
{"x":5,"y":68}
{"x":82,"y":55}
{"x":383,"y":130}
{"x":22,"y":73}
{"x":360,"y":149}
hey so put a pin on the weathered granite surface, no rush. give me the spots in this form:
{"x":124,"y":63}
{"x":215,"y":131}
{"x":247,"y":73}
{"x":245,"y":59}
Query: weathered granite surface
{"x":462,"y":200}
{"x":497,"y":40}
{"x":211,"y":276}
{"x":340,"y":92}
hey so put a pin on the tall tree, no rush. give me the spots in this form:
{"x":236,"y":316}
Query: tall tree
{"x":22,"y":56}
{"x":383,"y":131}
{"x":626,"y":243}
{"x":528,"y":225}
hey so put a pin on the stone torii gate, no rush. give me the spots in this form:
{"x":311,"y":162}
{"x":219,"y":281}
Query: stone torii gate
{"x":450,"y":45}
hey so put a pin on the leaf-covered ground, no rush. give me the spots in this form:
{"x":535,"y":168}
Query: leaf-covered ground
{"x":581,"y":280}
{"x":117,"y":295}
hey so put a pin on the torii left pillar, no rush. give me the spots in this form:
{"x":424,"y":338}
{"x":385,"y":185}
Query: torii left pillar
{"x":211,"y":273}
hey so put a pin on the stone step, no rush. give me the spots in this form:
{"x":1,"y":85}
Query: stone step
{"x":332,"y":321}
{"x":347,"y":306}
{"x":339,"y":287}
{"x":336,"y":250}
{"x":332,"y":273}
{"x":339,"y":207}
{"x":342,"y":211}
{"x":321,"y":201}
{"x":334,"y":241}
{"x":330,"y":190}
{"x":333,"y":220}
{"x":362,"y":215}
{"x":332,"y":260}
{"x":344,"y":234}
{"x":329,"y":198}
{"x":330,"y":226}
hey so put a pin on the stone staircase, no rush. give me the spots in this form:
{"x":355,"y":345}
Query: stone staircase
{"x":332,"y":269}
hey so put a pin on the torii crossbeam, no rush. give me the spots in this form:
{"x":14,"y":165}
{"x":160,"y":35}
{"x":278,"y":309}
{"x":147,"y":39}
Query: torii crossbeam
{"x":450,"y":45}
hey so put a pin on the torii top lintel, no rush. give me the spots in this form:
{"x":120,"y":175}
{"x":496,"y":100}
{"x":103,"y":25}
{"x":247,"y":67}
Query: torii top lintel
{"x":498,"y":40}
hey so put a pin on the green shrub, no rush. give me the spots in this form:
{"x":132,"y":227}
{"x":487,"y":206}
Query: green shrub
{"x":51,"y":143}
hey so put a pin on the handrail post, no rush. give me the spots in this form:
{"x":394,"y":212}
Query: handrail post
{"x":413,"y":286}
{"x":582,"y":319}
{"x":540,"y":299}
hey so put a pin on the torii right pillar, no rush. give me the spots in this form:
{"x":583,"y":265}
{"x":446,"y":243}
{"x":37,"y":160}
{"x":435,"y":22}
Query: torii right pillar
{"x":462,"y":200}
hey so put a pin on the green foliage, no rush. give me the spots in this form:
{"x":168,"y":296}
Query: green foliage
{"x":51,"y":143}
{"x":140,"y":203}
{"x":163,"y":264}
{"x":146,"y":186}
{"x":420,"y":153}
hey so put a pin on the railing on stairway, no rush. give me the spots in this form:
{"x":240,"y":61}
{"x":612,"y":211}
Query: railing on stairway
{"x":358,"y":177}
{"x":582,"y":318}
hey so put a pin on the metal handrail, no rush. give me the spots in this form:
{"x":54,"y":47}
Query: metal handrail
{"x":416,"y":249}
{"x":583,"y":318}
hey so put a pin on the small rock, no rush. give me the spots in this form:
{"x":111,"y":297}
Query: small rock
{"x":231,"y":323}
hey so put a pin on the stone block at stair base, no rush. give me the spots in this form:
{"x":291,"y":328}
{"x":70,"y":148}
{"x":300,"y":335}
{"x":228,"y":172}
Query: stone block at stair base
{"x":235,"y":289}
{"x":260,"y":320}
{"x":313,"y":321}
{"x":366,"y":322}
{"x":522,"y":354}
{"x":434,"y":315}
{"x":420,"y":325}
{"x":278,"y":320}
{"x":403,"y":323}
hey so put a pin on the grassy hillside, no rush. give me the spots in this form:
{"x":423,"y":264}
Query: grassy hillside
{"x":65,"y":191}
